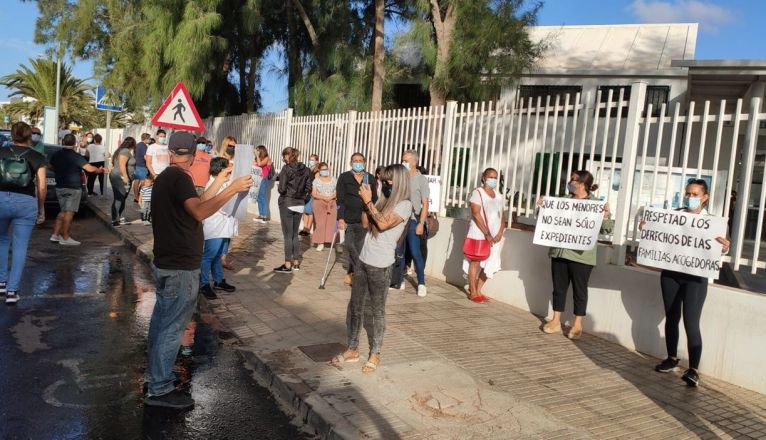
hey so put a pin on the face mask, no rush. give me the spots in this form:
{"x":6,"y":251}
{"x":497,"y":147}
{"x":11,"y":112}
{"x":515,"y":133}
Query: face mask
{"x":162,"y":140}
{"x":230,"y":151}
{"x":324,"y":173}
{"x":357,"y":167}
{"x":36,"y":138}
{"x":202,"y":147}
{"x":311,"y":163}
{"x":90,"y":139}
{"x":491,"y":183}
{"x":692,"y":203}
{"x":572,"y":187}
{"x":406,"y":165}
{"x":386,"y":189}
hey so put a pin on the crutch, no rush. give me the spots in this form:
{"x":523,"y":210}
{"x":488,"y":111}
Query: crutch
{"x":327,"y":265}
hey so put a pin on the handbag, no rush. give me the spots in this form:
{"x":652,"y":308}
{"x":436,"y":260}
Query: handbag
{"x":477,"y":249}
{"x":432,"y":226}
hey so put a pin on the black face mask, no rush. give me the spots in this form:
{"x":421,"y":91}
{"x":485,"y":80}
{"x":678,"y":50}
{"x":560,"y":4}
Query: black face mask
{"x":386,"y":189}
{"x":230,"y":151}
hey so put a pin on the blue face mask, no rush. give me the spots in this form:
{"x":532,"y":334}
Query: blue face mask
{"x":572,"y":187}
{"x":692,"y":203}
{"x":357,"y":167}
{"x":324,"y":173}
{"x":491,"y":182}
{"x":202,"y":147}
{"x":311,"y":163}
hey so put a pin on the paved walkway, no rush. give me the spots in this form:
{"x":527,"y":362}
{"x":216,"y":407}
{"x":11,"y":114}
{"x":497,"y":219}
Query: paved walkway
{"x":451,"y":368}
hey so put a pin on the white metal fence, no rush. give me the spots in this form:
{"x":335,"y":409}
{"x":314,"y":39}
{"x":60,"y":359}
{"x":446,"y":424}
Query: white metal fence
{"x":639,"y":156}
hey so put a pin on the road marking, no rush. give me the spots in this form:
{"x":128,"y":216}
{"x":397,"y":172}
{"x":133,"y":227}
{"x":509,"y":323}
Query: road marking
{"x":85,"y":382}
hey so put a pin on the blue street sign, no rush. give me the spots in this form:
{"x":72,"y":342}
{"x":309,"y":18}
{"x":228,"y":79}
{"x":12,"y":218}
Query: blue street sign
{"x":102,"y":101}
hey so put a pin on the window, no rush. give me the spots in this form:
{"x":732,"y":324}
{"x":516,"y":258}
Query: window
{"x":615,"y":99}
{"x":656,"y":96}
{"x":533,"y":92}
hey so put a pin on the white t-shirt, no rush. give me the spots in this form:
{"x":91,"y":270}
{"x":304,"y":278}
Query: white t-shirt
{"x":96,"y":152}
{"x":379,"y":251}
{"x":160,"y":157}
{"x":220,"y":224}
{"x":493,"y":207}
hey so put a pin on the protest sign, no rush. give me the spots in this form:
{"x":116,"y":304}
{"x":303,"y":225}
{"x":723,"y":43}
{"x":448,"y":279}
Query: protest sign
{"x":682,"y":242}
{"x":569,"y":223}
{"x":243,"y":166}
{"x":434,"y":189}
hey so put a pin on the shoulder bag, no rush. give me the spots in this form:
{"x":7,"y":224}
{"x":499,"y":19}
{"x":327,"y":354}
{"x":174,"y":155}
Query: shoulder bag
{"x":477,"y":249}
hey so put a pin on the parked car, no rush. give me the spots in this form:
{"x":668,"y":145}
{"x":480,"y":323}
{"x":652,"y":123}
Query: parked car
{"x":5,"y":137}
{"x":51,"y":202}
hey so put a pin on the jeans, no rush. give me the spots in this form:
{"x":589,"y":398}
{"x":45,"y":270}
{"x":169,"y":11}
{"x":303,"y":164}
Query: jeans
{"x":564,"y":272}
{"x":367,"y":306}
{"x":263,"y":198}
{"x":211,"y":260}
{"x":92,"y":179}
{"x":353,"y":244}
{"x":120,"y":191}
{"x":176,"y":302}
{"x":683,"y":294}
{"x":18,"y":213}
{"x":412,"y":243}
{"x":291,"y":222}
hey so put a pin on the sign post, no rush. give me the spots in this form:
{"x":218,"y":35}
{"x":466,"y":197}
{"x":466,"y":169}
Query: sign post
{"x":569,"y":223}
{"x":178,"y":111}
{"x":105,"y":103}
{"x":681,"y":242}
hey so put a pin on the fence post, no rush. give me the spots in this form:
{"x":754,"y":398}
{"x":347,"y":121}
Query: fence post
{"x":629,"y":153}
{"x":446,"y":153}
{"x":288,"y":127}
{"x":745,"y":183}
{"x":350,"y":139}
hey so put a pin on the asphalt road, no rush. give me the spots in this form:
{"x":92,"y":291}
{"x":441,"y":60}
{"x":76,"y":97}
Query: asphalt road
{"x":72,"y":355}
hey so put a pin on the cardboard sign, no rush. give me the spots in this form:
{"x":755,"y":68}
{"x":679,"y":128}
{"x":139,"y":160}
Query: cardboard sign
{"x":178,"y":111}
{"x":569,"y":223}
{"x":243,"y":166}
{"x":682,"y":242}
{"x":434,"y":189}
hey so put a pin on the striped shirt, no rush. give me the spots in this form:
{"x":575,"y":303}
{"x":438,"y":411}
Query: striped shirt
{"x":146,"y":194}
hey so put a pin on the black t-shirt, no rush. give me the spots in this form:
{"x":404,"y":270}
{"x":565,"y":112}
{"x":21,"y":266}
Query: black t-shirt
{"x":178,"y":237}
{"x":68,"y":168}
{"x":35,"y":161}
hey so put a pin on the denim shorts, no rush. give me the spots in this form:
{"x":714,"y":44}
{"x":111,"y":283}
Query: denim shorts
{"x":309,"y":207}
{"x":141,"y":173}
{"x":69,"y":199}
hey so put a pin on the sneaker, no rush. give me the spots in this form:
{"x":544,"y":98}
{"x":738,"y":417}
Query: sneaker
{"x":187,"y":350}
{"x":116,"y":224}
{"x":174,"y":399}
{"x":11,"y":298}
{"x":56,"y":238}
{"x":259,"y":220}
{"x":551,"y":327}
{"x":422,"y":292}
{"x":123,"y":221}
{"x":282,"y":269}
{"x":667,"y":366}
{"x":296,"y":267}
{"x":3,"y":288}
{"x":208,"y":292}
{"x":223,"y":285}
{"x":146,"y":223}
{"x":691,"y":378}
{"x":69,"y":242}
{"x":320,"y":247}
{"x":402,"y":286}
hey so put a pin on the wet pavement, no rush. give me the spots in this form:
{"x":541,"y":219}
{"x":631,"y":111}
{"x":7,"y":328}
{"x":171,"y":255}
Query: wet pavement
{"x":73,"y":354}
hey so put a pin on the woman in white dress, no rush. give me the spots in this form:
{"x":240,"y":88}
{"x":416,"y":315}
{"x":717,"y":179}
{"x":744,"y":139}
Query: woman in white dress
{"x":487,"y":222}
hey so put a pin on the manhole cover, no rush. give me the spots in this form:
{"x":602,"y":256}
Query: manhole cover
{"x":322,"y":352}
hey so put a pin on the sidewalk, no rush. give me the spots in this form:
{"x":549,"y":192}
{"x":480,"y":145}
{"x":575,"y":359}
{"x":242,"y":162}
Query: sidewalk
{"x":450,"y":368}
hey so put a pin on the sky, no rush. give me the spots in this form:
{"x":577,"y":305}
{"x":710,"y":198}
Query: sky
{"x":729,"y":29}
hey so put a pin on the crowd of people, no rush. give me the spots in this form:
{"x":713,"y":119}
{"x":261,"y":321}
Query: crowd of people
{"x":183,"y":182}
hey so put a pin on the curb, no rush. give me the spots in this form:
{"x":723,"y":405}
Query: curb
{"x":290,"y":391}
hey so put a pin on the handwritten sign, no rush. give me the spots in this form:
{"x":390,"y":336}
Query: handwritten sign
{"x":682,"y":242}
{"x":569,"y":223}
{"x":434,"y":189}
{"x":243,"y":163}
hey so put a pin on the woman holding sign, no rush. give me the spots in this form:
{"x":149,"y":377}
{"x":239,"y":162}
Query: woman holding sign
{"x":487,"y":223}
{"x":684,"y":295}
{"x":574,"y":267}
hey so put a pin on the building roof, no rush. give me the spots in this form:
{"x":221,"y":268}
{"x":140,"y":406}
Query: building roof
{"x":615,"y":47}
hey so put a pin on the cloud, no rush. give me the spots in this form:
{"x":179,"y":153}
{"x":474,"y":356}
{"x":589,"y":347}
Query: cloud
{"x":710,"y":16}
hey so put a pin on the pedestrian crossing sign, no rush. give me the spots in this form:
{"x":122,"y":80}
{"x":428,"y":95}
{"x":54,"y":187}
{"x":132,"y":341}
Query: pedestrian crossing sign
{"x":178,"y":111}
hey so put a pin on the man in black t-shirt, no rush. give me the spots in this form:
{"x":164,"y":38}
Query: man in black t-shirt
{"x":177,"y":213}
{"x":68,"y":166}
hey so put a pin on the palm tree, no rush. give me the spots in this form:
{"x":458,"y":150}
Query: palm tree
{"x":38,"y":81}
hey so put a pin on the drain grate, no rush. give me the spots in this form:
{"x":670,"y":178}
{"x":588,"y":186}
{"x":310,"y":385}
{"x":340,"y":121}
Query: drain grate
{"x":322,"y":352}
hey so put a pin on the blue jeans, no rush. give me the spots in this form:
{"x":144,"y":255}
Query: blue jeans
{"x":176,"y":301}
{"x":263,"y":199}
{"x":18,"y":213}
{"x":412,"y":246}
{"x":211,"y":260}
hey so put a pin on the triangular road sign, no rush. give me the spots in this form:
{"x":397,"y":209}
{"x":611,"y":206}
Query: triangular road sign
{"x":178,"y":111}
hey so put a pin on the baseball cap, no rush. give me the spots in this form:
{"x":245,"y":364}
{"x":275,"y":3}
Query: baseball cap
{"x":182,"y":142}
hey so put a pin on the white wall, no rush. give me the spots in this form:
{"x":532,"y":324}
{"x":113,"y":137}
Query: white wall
{"x":625,"y":304}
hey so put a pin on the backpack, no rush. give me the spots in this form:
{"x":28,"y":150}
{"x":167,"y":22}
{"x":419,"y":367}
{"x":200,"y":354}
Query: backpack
{"x":15,"y":170}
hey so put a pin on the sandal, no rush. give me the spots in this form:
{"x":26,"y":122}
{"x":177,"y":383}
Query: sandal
{"x":479,"y":299}
{"x":372,"y":364}
{"x":346,"y":356}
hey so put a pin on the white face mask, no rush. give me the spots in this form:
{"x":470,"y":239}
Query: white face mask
{"x":406,"y":165}
{"x":162,"y":140}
